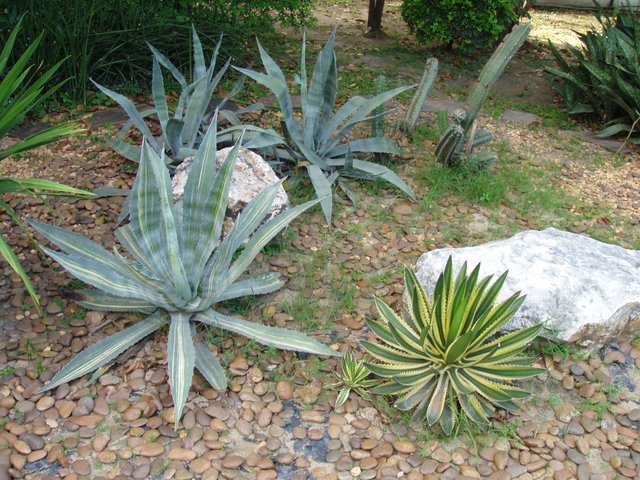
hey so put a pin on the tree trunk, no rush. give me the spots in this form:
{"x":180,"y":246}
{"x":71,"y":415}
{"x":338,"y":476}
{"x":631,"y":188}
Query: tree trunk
{"x":375,"y":16}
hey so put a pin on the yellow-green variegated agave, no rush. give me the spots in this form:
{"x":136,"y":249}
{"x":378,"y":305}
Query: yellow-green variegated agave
{"x":440,"y":355}
{"x":181,"y":269}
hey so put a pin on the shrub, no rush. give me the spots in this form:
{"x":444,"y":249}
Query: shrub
{"x":180,"y":268}
{"x":461,"y":24}
{"x":440,"y":357}
{"x":601,"y":79}
{"x":318,"y":141}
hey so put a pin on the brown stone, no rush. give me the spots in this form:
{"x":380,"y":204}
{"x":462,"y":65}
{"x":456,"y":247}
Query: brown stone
{"x":81,"y":467}
{"x":107,"y":456}
{"x":87,"y":420}
{"x":382,"y":450}
{"x":181,"y":454}
{"x":403,"y":446}
{"x":45,"y":403}
{"x":232,"y":461}
{"x":150,"y":449}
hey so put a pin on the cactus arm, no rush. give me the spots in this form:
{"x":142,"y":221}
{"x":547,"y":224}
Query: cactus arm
{"x":494,"y":68}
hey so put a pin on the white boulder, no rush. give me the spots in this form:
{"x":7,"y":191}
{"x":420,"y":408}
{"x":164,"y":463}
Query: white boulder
{"x":583,"y":290}
{"x":251,"y":174}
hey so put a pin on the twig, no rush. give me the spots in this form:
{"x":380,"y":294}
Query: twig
{"x":628,"y":136}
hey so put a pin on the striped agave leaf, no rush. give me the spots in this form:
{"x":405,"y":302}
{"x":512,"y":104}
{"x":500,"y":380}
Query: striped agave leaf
{"x":440,"y":356}
{"x":318,"y":139}
{"x":181,"y":269}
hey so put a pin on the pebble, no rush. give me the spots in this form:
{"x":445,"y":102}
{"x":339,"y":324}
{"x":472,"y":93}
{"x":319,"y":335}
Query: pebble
{"x":576,"y":457}
{"x":582,"y":446}
{"x":284,"y":390}
{"x":107,"y":456}
{"x":441,"y":455}
{"x":45,"y":403}
{"x":181,"y":454}
{"x":232,"y":461}
{"x":150,"y":449}
{"x":312,"y":416}
{"x":500,"y":460}
{"x":35,"y":442}
{"x":81,"y":467}
{"x":22,"y":447}
{"x":403,"y":446}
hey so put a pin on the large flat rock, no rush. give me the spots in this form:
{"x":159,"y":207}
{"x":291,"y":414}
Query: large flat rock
{"x":583,"y":290}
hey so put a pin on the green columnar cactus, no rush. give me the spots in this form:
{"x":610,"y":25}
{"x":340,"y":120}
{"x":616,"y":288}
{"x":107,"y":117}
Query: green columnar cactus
{"x":460,"y":136}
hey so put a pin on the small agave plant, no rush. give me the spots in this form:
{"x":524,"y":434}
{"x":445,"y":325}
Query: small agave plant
{"x":440,"y":357}
{"x":353,"y":377}
{"x":181,"y":268}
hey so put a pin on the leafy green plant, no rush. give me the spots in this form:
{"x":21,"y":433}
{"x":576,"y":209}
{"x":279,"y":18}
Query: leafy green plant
{"x":440,"y":357}
{"x":184,"y":129}
{"x":463,"y":25}
{"x":601,"y":78}
{"x":318,"y":142}
{"x":181,"y":269}
{"x":353,"y":377}
{"x":460,"y":136}
{"x":21,"y":91}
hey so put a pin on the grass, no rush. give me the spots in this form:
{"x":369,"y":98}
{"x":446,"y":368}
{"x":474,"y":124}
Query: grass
{"x":554,"y":400}
{"x":240,"y":306}
{"x":553,"y":349}
{"x":7,"y":371}
{"x":507,"y":430}
{"x":531,"y":191}
{"x":102,"y":426}
{"x":612,"y":392}
{"x":600,"y":408}
{"x":303,"y":312}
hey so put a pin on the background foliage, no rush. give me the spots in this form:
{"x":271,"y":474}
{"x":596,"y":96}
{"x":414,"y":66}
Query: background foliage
{"x":107,"y":40}
{"x":601,"y":78}
{"x":461,"y":24}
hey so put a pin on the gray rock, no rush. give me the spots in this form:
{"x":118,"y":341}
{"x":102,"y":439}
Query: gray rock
{"x":251,"y":174}
{"x":519,"y":117}
{"x":583,"y":290}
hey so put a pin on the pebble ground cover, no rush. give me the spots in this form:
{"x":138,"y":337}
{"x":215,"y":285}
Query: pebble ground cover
{"x":277,"y":419}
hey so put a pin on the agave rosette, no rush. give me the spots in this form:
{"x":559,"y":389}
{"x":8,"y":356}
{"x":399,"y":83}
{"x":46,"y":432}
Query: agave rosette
{"x":354,"y":376}
{"x":439,"y":356}
{"x":184,"y":127}
{"x":319,"y":140}
{"x":180,"y":267}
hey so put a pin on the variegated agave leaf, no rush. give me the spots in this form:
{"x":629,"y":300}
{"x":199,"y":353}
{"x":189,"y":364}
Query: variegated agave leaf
{"x":178,"y":268}
{"x":319,"y":139}
{"x":440,"y":355}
